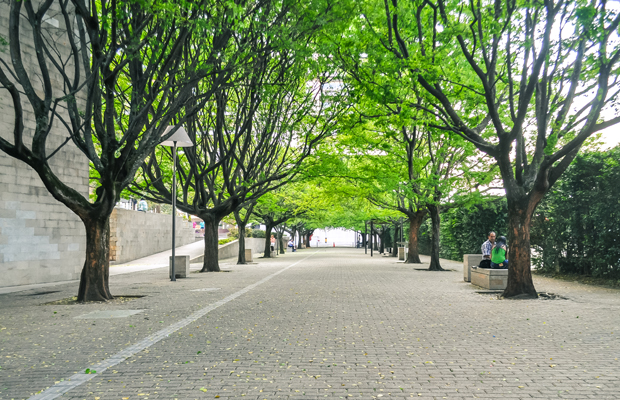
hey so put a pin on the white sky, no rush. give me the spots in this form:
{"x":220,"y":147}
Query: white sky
{"x":611,"y":137}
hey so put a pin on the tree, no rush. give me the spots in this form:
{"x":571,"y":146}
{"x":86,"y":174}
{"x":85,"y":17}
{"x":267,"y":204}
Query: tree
{"x":254,"y":134}
{"x":408,"y":169}
{"x":415,"y":169}
{"x":242,"y":216}
{"x":273,"y":209}
{"x":126,"y":69}
{"x":545,"y":73}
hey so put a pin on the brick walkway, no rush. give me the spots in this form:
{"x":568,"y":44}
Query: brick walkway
{"x":336,"y":325}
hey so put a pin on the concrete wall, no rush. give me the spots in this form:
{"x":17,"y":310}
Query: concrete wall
{"x":136,"y":234}
{"x":40,"y":239}
{"x":231,"y":249}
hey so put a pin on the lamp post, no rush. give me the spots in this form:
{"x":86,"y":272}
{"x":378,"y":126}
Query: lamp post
{"x":365,"y":237}
{"x":371,"y":236}
{"x":178,"y":139}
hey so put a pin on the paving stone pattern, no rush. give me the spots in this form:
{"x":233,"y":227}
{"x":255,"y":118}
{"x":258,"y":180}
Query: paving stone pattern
{"x":336,"y":325}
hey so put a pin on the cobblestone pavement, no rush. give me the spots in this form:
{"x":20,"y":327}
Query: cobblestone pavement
{"x":336,"y":325}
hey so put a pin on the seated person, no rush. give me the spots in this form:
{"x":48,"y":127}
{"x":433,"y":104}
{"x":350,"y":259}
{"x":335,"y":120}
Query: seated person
{"x":486,"y":251}
{"x":498,"y":254}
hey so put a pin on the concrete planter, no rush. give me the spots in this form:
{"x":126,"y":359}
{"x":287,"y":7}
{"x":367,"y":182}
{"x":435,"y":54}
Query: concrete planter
{"x":492,"y":279}
{"x":470,"y":260}
{"x":181,"y":266}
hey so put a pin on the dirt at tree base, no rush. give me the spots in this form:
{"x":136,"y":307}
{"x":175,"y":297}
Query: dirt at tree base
{"x":70,"y":301}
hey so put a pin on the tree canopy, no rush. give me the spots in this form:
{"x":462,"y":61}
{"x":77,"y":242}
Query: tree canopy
{"x":322,"y":114}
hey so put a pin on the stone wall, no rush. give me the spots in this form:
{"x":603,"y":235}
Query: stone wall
{"x":231,"y":249}
{"x":136,"y":234}
{"x":41,"y":240}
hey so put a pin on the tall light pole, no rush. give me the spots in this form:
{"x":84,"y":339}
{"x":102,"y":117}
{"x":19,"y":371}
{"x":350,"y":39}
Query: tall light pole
{"x":178,"y":139}
{"x":365,"y":237}
{"x":371,"y":236}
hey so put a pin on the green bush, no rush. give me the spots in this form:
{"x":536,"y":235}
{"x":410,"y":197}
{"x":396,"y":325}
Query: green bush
{"x":233,"y":233}
{"x":249,"y":232}
{"x":224,"y":241}
{"x":464,"y":229}
{"x":576,"y":228}
{"x":257,"y":233}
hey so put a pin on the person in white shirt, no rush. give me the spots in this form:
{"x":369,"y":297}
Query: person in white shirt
{"x":487,"y":246}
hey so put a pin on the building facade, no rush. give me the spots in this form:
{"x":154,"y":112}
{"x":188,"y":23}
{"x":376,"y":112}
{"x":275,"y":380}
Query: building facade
{"x":41,"y":240}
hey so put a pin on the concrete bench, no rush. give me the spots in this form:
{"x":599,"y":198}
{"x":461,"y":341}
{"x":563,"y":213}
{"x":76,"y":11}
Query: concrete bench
{"x":470,"y":260}
{"x":492,"y":279}
{"x":181,"y":266}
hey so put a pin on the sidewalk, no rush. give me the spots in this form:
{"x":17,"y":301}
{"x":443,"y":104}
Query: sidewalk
{"x":159,"y":260}
{"x":314,"y":324}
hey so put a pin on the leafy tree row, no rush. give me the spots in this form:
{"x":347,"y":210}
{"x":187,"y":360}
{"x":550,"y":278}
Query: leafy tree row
{"x":243,"y":77}
{"x":526,"y":83}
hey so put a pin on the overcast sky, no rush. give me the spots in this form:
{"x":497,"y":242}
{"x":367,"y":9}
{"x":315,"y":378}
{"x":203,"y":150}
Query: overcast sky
{"x":611,"y":136}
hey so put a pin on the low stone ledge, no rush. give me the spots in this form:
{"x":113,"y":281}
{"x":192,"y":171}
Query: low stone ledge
{"x":469,"y":261}
{"x":492,"y":279}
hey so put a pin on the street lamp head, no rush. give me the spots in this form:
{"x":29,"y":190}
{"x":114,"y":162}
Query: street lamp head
{"x":180,"y":137}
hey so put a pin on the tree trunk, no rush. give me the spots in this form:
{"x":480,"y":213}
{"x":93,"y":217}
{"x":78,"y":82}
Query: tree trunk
{"x":96,"y":271}
{"x":520,"y":213}
{"x":300,"y":241}
{"x":415,"y":220}
{"x":293,"y":232}
{"x":241,"y":257}
{"x":210,"y":263}
{"x":394,"y":241}
{"x":375,"y":245}
{"x":435,"y":228}
{"x":281,"y":241}
{"x":268,"y":229}
{"x":382,"y":245}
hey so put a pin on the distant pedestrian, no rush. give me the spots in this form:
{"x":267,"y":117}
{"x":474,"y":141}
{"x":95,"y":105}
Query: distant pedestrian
{"x":143,"y":206}
{"x":273,"y":243}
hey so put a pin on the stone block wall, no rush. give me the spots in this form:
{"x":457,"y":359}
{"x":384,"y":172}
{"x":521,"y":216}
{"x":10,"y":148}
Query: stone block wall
{"x":231,"y":249}
{"x":136,"y":234}
{"x":41,"y":240}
